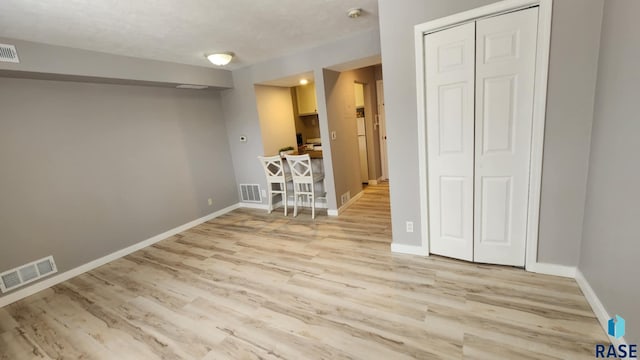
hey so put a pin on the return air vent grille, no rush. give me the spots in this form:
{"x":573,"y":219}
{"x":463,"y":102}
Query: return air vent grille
{"x":8,"y":53}
{"x":250,"y":193}
{"x":25,"y":274}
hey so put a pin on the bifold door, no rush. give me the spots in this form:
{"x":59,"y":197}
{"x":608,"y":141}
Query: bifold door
{"x":479,"y":98}
{"x":450,"y":126}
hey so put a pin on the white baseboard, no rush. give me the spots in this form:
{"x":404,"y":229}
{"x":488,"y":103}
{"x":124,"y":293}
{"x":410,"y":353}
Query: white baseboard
{"x":254,"y":206}
{"x":373,"y":182}
{"x":345,"y":206}
{"x":552,"y":269}
{"x":45,"y":284}
{"x":597,"y":306}
{"x":409,"y":249}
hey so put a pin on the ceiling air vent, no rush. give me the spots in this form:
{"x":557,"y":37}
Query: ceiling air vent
{"x":8,"y":53}
{"x":25,"y":274}
{"x":250,"y":193}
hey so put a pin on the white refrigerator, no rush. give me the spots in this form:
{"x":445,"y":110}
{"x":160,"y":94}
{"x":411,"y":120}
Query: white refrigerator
{"x":362,"y":145}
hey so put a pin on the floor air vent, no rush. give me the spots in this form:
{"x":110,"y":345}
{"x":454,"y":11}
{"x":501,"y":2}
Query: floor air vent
{"x":250,"y":193}
{"x":8,"y":53}
{"x":25,"y":274}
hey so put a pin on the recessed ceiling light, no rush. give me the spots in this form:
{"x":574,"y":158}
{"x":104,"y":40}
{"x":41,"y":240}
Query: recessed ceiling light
{"x":304,"y":82}
{"x":354,"y":13}
{"x":220,"y":59}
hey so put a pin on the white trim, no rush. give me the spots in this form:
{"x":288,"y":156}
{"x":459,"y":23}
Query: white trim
{"x":537,"y":135}
{"x":384,"y":144}
{"x":423,"y":188}
{"x":596,"y":305}
{"x":409,"y":249}
{"x":341,"y":209}
{"x":475,"y":14}
{"x":553,"y":269}
{"x":254,"y":206}
{"x":539,"y":110}
{"x":49,"y":282}
{"x":372,"y":182}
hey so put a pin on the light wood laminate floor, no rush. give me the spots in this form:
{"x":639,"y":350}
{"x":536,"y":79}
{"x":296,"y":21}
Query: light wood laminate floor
{"x":252,"y":285}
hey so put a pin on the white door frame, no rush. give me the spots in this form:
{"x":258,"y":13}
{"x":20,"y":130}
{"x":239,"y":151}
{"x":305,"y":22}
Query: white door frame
{"x":382,"y":133}
{"x":539,"y":109}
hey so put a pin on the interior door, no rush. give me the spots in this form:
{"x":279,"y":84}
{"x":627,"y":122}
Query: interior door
{"x":382,"y":129}
{"x":449,"y":71}
{"x":505,"y":65}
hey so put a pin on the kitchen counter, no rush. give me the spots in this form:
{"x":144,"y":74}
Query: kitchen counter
{"x":314,"y":154}
{"x":317,"y":165}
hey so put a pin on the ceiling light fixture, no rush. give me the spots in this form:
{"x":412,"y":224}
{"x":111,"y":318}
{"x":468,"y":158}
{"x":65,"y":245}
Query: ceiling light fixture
{"x":220,"y":59}
{"x":304,"y":82}
{"x":354,"y":13}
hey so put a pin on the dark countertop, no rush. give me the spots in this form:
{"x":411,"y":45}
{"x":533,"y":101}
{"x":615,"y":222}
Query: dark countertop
{"x":314,"y":154}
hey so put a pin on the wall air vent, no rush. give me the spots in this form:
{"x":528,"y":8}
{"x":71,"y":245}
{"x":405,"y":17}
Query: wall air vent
{"x":25,"y":274}
{"x":8,"y":53}
{"x":250,"y":193}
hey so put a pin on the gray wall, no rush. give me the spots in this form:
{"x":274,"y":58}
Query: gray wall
{"x":89,"y":169}
{"x":573,"y":64}
{"x":610,"y":245}
{"x":241,"y":115}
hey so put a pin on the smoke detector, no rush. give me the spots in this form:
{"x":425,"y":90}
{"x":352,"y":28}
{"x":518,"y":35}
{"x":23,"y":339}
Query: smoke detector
{"x":354,"y":13}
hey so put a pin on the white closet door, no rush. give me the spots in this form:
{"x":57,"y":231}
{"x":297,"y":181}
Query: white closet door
{"x":449,"y":71}
{"x":505,"y":64}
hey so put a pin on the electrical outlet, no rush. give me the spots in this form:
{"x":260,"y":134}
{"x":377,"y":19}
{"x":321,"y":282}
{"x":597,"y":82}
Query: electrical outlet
{"x":333,"y":135}
{"x":210,"y":201}
{"x":263,"y":192}
{"x":410,"y":226}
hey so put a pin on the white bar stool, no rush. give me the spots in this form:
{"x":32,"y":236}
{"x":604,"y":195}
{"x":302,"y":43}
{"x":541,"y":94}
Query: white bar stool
{"x":276,"y":176}
{"x":303,"y":181}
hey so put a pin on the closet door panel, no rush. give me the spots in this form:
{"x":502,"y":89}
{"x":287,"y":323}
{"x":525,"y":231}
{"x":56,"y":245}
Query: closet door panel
{"x":505,"y":65}
{"x":449,"y":71}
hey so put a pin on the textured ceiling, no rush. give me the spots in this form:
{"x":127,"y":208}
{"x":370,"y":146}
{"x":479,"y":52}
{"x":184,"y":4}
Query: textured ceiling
{"x":183,"y":31}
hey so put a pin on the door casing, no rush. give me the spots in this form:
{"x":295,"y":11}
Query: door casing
{"x":382,"y":131}
{"x":539,"y":108}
